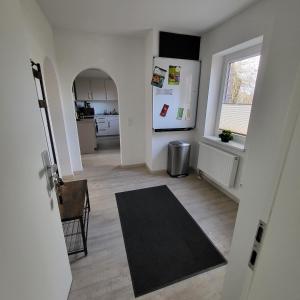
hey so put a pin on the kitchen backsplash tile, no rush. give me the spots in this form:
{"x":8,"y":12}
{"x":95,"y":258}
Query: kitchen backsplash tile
{"x":101,"y":106}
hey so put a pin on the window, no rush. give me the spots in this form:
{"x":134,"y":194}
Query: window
{"x":237,"y":90}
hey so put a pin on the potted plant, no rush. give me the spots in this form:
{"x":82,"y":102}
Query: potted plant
{"x":226,"y":136}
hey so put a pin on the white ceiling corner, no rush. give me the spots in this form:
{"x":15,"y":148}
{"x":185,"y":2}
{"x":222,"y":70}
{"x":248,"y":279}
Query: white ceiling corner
{"x":136,"y":16}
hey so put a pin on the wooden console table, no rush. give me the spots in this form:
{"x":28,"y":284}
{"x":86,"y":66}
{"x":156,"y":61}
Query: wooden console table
{"x":74,"y":213}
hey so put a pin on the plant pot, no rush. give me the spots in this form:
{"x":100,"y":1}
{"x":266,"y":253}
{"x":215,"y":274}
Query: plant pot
{"x":225,"y":139}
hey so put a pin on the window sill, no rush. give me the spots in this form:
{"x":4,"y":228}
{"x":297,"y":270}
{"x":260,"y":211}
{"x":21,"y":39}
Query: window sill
{"x":231,"y":145}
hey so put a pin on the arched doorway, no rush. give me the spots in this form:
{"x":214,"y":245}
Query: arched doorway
{"x":97,"y":113}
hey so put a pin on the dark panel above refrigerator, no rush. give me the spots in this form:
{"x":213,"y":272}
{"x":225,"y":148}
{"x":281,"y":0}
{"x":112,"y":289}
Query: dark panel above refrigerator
{"x":181,"y":46}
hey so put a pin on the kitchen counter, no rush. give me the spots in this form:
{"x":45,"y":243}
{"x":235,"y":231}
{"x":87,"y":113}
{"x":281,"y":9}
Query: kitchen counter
{"x":104,"y":115}
{"x":87,"y":135}
{"x":98,"y":115}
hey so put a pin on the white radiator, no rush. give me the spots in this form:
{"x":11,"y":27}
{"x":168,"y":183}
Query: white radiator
{"x":218,"y":165}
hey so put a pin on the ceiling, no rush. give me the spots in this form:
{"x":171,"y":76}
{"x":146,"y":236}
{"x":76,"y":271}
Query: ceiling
{"x":135,"y":16}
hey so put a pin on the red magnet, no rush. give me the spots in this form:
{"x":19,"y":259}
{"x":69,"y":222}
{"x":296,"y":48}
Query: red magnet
{"x":164,"y":110}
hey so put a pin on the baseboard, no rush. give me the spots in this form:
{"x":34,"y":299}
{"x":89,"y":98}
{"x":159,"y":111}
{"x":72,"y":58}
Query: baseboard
{"x":130,"y":166}
{"x":78,"y":172}
{"x":68,"y":177}
{"x":161,"y":171}
{"x":156,"y":172}
{"x":76,"y":176}
{"x":70,"y":288}
{"x":220,"y":188}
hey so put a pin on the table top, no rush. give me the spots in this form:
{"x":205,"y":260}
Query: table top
{"x":73,"y":197}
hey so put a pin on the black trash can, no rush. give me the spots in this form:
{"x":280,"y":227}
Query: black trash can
{"x":178,"y":158}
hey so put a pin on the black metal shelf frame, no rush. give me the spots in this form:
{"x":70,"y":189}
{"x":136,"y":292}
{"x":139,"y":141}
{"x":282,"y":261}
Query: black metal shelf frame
{"x":76,"y":230}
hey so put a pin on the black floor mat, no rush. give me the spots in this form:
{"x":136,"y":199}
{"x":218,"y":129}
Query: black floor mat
{"x":163,"y":242}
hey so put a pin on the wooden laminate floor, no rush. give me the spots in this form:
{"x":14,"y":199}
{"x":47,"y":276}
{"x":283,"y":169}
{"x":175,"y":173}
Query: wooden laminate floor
{"x":104,"y":273}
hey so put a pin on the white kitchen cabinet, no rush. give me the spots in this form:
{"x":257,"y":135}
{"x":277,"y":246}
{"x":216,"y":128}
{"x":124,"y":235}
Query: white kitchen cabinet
{"x":83,"y":89}
{"x":102,"y":126}
{"x":109,"y":128}
{"x":98,"y":89}
{"x":108,"y":125}
{"x":88,"y":89}
{"x":111,"y":90}
{"x":113,"y":122}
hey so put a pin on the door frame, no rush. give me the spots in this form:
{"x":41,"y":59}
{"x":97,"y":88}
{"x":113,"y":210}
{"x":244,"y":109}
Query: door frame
{"x":37,"y":74}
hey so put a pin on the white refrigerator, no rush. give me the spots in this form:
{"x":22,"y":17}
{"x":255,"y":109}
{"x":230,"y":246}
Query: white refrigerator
{"x":175,"y":98}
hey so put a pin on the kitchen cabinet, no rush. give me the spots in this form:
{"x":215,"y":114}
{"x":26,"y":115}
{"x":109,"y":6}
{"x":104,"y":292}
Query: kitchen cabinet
{"x":111,"y":90}
{"x":90,"y":89}
{"x":83,"y":90}
{"x":94,"y":89}
{"x":107,"y":125}
{"x":113,"y":124}
{"x":98,"y":89}
{"x":102,"y":126}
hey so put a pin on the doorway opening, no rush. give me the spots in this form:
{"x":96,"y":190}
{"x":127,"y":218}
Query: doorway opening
{"x":97,"y":114}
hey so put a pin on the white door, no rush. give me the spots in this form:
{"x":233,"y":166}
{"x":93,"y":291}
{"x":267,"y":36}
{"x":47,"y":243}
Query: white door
{"x":277,"y":272}
{"x":111,"y":90}
{"x":83,"y":89}
{"x":34,"y":262}
{"x":98,"y":89}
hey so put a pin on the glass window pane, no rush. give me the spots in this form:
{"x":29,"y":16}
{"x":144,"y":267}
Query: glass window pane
{"x":238,"y":96}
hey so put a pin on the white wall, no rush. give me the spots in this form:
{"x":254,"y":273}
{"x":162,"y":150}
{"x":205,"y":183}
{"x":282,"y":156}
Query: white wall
{"x":41,"y":48}
{"x":123,"y":59}
{"x":248,"y":25}
{"x":269,"y":127}
{"x":160,"y":142}
{"x":157,"y":142}
{"x":33,"y":258}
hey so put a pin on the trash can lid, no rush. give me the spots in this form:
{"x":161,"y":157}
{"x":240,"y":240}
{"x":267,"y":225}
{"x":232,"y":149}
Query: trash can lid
{"x":179,"y":144}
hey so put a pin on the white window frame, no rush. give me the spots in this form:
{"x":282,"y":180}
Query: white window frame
{"x":227,"y":60}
